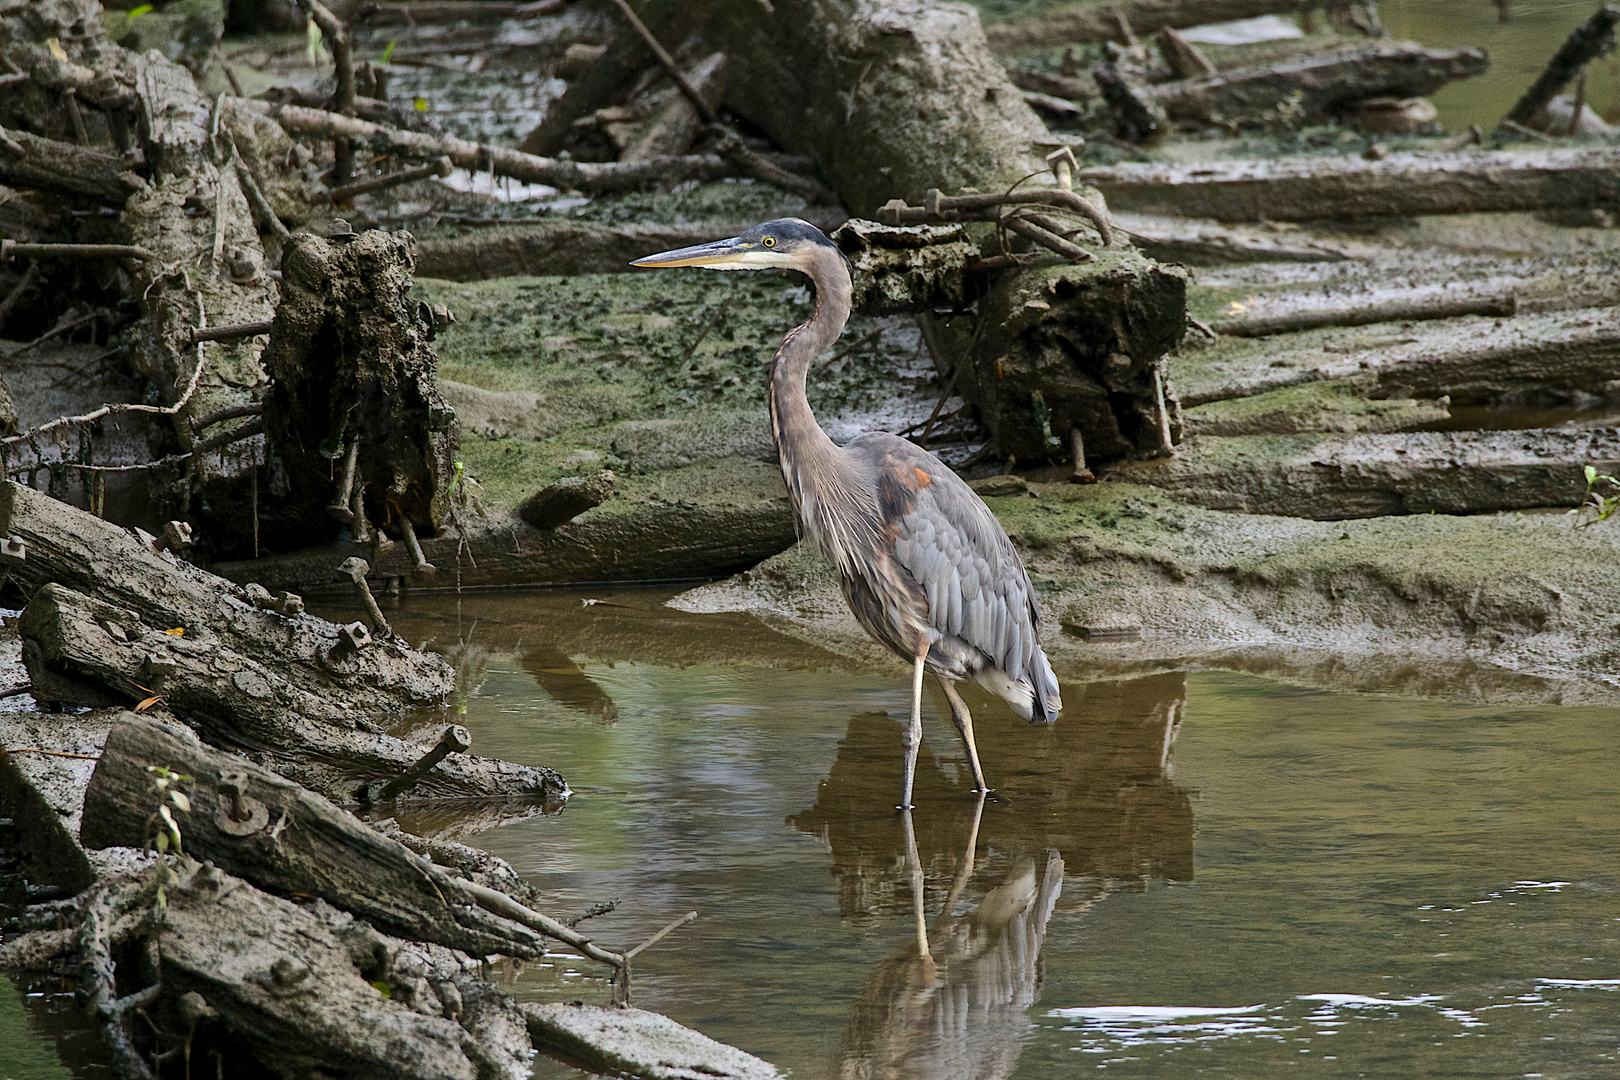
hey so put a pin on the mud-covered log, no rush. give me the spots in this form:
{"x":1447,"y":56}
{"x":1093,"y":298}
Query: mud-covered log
{"x":1314,"y":88}
{"x":1201,"y":242}
{"x":889,"y":100}
{"x":359,"y":429}
{"x":1099,"y":20}
{"x":64,"y":168}
{"x":1414,"y":306}
{"x":1305,"y":189}
{"x":1078,"y":348}
{"x":85,"y":553}
{"x":303,"y":987}
{"x":673,"y":123}
{"x":1335,"y":477}
{"x":1332,"y":405}
{"x":235,"y":701}
{"x":1549,"y":359}
{"x":632,"y":1042}
{"x":906,"y":268}
{"x":253,"y":823}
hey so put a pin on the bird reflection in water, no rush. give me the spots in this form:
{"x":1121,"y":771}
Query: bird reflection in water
{"x":1084,"y":809}
{"x":568,"y":684}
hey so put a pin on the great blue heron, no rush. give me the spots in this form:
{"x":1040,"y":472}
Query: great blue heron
{"x":925,"y":566}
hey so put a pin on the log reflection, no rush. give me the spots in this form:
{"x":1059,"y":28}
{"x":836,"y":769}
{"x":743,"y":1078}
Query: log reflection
{"x":1090,"y":798}
{"x":568,"y":684}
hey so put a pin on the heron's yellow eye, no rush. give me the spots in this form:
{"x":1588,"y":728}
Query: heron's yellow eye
{"x":770,"y":241}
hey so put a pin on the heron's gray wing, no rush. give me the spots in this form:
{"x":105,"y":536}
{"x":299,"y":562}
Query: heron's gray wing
{"x":959,"y":555}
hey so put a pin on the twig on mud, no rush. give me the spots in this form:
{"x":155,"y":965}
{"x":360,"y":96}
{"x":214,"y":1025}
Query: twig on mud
{"x":230,"y":412}
{"x":347,"y":192}
{"x":230,"y":333}
{"x":262,"y":210}
{"x":343,"y":63}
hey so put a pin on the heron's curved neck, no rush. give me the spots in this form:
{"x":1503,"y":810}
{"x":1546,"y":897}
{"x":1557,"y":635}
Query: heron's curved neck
{"x":798,"y":437}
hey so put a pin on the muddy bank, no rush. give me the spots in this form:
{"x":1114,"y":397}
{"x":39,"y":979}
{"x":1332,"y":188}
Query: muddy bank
{"x":1129,"y":575}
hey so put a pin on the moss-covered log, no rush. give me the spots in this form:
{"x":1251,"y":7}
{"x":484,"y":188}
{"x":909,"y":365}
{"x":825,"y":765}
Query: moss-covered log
{"x":1402,"y":184}
{"x":1334,"y":477}
{"x":1078,"y":348}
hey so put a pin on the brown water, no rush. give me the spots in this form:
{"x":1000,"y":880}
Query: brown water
{"x":1190,"y":872}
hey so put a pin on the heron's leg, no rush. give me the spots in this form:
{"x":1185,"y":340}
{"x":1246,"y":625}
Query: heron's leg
{"x":964,"y":724}
{"x":914,"y":866}
{"x":913,"y":737}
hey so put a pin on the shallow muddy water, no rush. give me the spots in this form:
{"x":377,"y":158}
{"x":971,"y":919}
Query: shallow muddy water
{"x":1189,"y":872}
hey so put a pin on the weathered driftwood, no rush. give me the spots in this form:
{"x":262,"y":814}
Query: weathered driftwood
{"x":286,"y":988}
{"x":1099,"y":20}
{"x":49,"y":165}
{"x":1420,"y":304}
{"x":1332,"y":405}
{"x":1551,"y":359}
{"x":1313,"y":88}
{"x":631,"y":1042}
{"x":1210,"y":243}
{"x":354,"y":396}
{"x":233,"y":700}
{"x":580,"y":175}
{"x":1302,"y":189}
{"x":1078,"y":348}
{"x":562,"y":502}
{"x":674,"y":122}
{"x":250,"y":822}
{"x":85,"y":553}
{"x":1592,"y":39}
{"x":924,"y":105}
{"x":1335,"y":477}
{"x":567,"y":246}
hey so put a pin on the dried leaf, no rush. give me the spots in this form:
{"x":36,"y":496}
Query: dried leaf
{"x":178,"y":631}
{"x":55,"y":46}
{"x":148,"y":703}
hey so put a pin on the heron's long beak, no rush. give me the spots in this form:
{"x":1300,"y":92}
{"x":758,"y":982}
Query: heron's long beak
{"x":720,"y":254}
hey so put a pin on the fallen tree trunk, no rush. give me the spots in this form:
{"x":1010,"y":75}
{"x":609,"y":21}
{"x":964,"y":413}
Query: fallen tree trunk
{"x":1305,"y":189}
{"x":888,"y":100}
{"x":586,"y":176}
{"x":83,"y":552}
{"x":1099,"y":20}
{"x":1548,"y":359}
{"x":1210,"y":243}
{"x":252,"y":823}
{"x":1420,"y":304}
{"x":30,"y":162}
{"x":235,"y":701}
{"x":1336,"y":477}
{"x":1314,"y":88}
{"x":1332,"y":405}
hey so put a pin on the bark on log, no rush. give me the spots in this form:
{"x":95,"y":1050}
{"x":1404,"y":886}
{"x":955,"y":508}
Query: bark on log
{"x":85,"y":553}
{"x":1338,"y":477}
{"x":1305,"y":189}
{"x":295,"y":986}
{"x":252,"y":823}
{"x":49,"y":165}
{"x":1545,"y":359}
{"x":1209,"y":243}
{"x":1079,"y":348}
{"x":236,"y":701}
{"x":1592,"y":39}
{"x":1099,"y":20}
{"x":354,"y":395}
{"x":1419,"y":305}
{"x":888,"y":100}
{"x":1315,"y":88}
{"x":190,"y":170}
{"x":580,"y":175}
{"x":671,"y":127}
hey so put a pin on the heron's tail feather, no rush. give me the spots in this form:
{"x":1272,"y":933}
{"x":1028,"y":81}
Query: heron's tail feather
{"x":1034,"y":697}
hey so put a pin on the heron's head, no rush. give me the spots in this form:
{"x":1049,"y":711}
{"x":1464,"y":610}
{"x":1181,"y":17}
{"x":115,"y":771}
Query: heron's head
{"x":786,"y":242}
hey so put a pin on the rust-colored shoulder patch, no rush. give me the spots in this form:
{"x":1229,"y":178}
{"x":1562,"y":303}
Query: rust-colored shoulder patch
{"x":923,"y":479}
